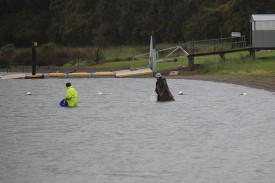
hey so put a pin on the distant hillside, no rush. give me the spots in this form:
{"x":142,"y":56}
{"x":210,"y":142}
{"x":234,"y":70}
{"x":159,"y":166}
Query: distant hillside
{"x":120,"y":22}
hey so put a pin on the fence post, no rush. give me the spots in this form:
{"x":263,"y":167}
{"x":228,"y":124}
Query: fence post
{"x":189,"y":47}
{"x":34,"y":44}
{"x":222,"y":56}
{"x":244,"y":42}
{"x":191,"y":61}
{"x":252,"y":52}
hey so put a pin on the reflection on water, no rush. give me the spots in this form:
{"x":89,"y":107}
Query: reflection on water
{"x":209,"y":134}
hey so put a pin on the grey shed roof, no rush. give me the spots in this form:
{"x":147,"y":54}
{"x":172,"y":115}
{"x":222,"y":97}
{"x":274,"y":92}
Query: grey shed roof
{"x":262,"y":17}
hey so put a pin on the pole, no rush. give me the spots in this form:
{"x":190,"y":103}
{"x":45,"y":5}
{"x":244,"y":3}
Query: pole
{"x":154,"y":61}
{"x":154,"y":54}
{"x":151,"y":54}
{"x":34,"y":44}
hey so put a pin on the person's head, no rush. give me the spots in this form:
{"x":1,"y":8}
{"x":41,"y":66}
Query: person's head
{"x":68,"y":84}
{"x":158,"y":76}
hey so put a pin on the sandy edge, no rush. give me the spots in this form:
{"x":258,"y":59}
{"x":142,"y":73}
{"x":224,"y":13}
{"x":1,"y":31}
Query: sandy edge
{"x":259,"y":82}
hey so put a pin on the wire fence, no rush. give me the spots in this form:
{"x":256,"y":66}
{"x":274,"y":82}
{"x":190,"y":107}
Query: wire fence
{"x":16,"y":67}
{"x":215,"y":45}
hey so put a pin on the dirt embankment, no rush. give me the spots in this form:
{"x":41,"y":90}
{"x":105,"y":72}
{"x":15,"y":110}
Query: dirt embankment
{"x":259,"y":81}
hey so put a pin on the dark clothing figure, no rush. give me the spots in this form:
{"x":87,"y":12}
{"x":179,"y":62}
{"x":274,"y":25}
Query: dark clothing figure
{"x":162,"y":89}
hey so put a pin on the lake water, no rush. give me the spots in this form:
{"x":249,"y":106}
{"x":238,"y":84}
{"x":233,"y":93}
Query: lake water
{"x":211,"y":134}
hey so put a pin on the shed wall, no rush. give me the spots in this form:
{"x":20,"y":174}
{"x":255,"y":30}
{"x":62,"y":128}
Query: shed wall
{"x":264,"y":25}
{"x":263,"y":38}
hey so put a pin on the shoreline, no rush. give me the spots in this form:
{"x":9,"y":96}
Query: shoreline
{"x":259,"y":81}
{"x":267,"y":85}
{"x":266,"y":82}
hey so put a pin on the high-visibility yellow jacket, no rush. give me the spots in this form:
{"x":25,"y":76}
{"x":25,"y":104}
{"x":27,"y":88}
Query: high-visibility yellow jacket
{"x":71,"y":97}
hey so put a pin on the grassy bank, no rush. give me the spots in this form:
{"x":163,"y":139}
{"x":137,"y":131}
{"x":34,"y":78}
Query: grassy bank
{"x":238,"y":64}
{"x":51,"y":54}
{"x":242,"y":66}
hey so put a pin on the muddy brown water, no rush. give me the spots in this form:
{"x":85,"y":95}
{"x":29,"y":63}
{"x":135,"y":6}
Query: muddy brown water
{"x":211,"y":133}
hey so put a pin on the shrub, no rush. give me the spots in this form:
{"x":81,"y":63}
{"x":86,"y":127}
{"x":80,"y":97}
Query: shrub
{"x":48,"y":46}
{"x":23,"y":57}
{"x":6,"y":53}
{"x":52,"y":57}
{"x":3,"y":63}
{"x":7,"y":50}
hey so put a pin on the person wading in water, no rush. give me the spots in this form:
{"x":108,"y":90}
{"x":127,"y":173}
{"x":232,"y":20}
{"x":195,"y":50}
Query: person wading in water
{"x":71,"y":96}
{"x":162,"y":89}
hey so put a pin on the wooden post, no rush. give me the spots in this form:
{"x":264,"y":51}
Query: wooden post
{"x":252,"y":52}
{"x":222,"y":56}
{"x":97,"y":56}
{"x":34,"y":44}
{"x":191,"y":61}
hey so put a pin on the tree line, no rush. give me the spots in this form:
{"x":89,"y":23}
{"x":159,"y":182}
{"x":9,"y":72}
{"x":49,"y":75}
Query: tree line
{"x":124,"y":22}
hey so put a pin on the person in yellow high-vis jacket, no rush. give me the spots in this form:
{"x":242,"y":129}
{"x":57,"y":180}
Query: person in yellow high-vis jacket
{"x":71,"y":96}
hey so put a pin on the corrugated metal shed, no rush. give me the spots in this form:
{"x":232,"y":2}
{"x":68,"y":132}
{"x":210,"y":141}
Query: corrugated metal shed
{"x":263,"y":30}
{"x":264,"y":17}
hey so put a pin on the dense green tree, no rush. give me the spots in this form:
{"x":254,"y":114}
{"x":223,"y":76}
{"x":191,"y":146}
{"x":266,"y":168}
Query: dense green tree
{"x":71,"y":21}
{"x":23,"y":21}
{"x":112,"y":22}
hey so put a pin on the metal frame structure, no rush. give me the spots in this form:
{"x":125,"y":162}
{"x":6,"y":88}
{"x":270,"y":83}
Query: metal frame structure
{"x":154,"y":55}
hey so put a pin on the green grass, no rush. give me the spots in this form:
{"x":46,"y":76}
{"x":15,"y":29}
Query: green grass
{"x":183,"y":61}
{"x":236,"y":63}
{"x":241,"y":64}
{"x":118,"y":58}
{"x":122,"y":64}
{"x":121,"y":52}
{"x":137,"y":64}
{"x":81,"y":63}
{"x":121,"y":58}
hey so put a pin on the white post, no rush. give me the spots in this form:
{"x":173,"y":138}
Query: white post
{"x":154,"y":61}
{"x":151,"y":54}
